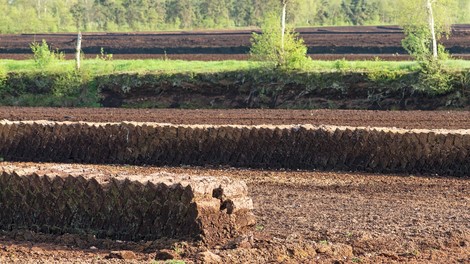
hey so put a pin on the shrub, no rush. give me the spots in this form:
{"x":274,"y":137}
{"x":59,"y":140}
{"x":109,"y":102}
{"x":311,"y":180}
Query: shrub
{"x":75,"y":88}
{"x":341,"y":65}
{"x":268,"y":45}
{"x":3,"y":78}
{"x":66,"y":84}
{"x":43,"y":55}
{"x":433,"y":79}
{"x":417,"y":44}
{"x":104,"y":56}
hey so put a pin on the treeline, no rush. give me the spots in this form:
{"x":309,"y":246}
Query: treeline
{"x":32,"y":16}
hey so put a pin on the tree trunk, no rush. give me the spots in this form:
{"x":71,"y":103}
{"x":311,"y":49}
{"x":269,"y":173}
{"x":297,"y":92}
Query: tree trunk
{"x":78,"y":49}
{"x":38,"y":9}
{"x":283,"y":22}
{"x":431,"y":27}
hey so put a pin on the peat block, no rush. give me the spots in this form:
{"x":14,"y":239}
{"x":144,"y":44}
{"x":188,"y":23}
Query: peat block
{"x":133,"y":208}
{"x":380,"y":150}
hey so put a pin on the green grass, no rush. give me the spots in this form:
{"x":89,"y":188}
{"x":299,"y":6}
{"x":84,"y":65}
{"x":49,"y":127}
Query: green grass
{"x":173,"y":261}
{"x":101,"y":67}
{"x":359,"y":66}
{"x":106,"y":67}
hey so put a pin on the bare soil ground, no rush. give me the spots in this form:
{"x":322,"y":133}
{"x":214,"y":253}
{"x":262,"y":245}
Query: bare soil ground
{"x":303,"y":216}
{"x":325,"y":43}
{"x":399,"y":119}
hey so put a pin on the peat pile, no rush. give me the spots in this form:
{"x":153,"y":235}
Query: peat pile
{"x":382,"y":150}
{"x":137,"y":207}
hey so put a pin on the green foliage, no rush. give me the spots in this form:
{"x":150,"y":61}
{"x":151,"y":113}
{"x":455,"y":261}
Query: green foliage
{"x":43,"y":55}
{"x":433,"y":79}
{"x":3,"y":80}
{"x":268,"y":46}
{"x":67,"y":84}
{"x":359,"y":12}
{"x":384,"y":75}
{"x":418,"y":44}
{"x":463,"y":80}
{"x":75,"y":88}
{"x":172,"y":261}
{"x":341,"y":65}
{"x":66,"y":88}
{"x":412,"y":15}
{"x":99,"y":67}
{"x":40,"y":16}
{"x":385,"y":85}
{"x":31,"y":100}
{"x":3,"y":77}
{"x":104,"y":56}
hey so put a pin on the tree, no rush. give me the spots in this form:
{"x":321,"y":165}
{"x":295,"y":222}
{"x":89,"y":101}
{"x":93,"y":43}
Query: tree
{"x":283,"y":22}
{"x":288,"y":52}
{"x":108,"y":12}
{"x":215,"y":12}
{"x":242,"y":13}
{"x":358,"y":11}
{"x":6,"y":23}
{"x":78,"y":11}
{"x":424,"y":23}
{"x":384,"y":12}
{"x":29,"y":16}
{"x":464,"y":11}
{"x":305,"y":12}
{"x":135,"y":12}
{"x":330,"y":13}
{"x":284,"y":4}
{"x":181,"y":13}
{"x":431,"y":25}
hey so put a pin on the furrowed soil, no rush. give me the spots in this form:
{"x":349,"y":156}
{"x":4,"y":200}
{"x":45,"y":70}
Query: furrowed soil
{"x":366,"y":42}
{"x":399,"y":119}
{"x":302,"y":216}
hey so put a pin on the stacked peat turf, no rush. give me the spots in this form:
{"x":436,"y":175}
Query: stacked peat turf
{"x":131,"y":207}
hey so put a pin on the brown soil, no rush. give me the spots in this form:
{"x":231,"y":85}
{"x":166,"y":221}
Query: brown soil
{"x":326,"y":43}
{"x":303,"y":216}
{"x":399,"y":119}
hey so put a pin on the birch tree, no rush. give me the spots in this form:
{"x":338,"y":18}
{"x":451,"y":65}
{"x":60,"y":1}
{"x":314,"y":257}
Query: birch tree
{"x":432,"y":26}
{"x":283,"y":22}
{"x":279,"y":45}
{"x":425,"y":22}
